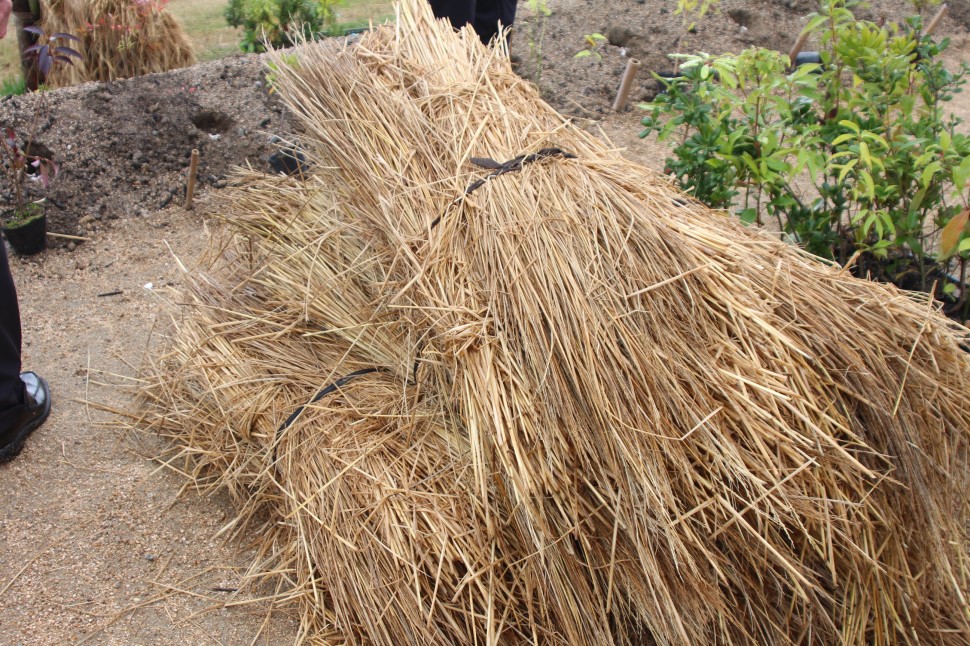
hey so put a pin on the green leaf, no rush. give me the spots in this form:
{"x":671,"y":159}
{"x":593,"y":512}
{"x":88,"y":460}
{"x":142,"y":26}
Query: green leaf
{"x":961,"y":174}
{"x":907,"y":103}
{"x":915,"y":245}
{"x":874,"y":219}
{"x":924,"y":159}
{"x":870,"y":189}
{"x":917,"y":201}
{"x":931,"y":169}
{"x":874,"y":137}
{"x":841,"y":139}
{"x":843,"y":153}
{"x":802,"y":71}
{"x":815,"y":22}
{"x":851,"y":125}
{"x":880,"y":249}
{"x":748,"y":216}
{"x":847,"y":168}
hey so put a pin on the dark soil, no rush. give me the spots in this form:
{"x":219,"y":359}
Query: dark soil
{"x":651,"y":30}
{"x":912,"y":274}
{"x":123,"y":148}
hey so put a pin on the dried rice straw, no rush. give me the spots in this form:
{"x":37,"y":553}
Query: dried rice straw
{"x":119,"y":39}
{"x":555,"y":401}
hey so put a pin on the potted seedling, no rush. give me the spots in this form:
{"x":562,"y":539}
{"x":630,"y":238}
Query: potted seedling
{"x":24,"y":223}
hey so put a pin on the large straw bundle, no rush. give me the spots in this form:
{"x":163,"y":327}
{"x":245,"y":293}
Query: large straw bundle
{"x":119,"y":39}
{"x":554,"y":401}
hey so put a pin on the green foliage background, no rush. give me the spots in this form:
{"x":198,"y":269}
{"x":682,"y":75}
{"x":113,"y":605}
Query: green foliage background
{"x":852,"y":155}
{"x":280,"y":23}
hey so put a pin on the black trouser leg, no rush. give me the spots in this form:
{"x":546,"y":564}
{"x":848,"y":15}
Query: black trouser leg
{"x":484,"y":15}
{"x":11,"y":388}
{"x":459,"y":12}
{"x":490,"y":15}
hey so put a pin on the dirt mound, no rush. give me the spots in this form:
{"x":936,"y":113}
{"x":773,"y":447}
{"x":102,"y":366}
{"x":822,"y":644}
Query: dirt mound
{"x":123,"y":147}
{"x":651,"y":31}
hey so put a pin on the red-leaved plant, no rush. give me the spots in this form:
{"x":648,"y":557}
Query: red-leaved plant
{"x":20,"y":165}
{"x":47,"y":54}
{"x":21,"y":168}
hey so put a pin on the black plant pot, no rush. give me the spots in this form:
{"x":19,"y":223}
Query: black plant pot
{"x":28,"y":237}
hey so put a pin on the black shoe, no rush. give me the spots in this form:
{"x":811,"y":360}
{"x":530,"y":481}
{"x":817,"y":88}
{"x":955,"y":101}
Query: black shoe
{"x":32,"y":414}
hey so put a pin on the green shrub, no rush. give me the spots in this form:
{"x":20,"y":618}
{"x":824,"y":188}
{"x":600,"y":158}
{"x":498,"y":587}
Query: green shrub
{"x":853,"y":155}
{"x":280,"y":23}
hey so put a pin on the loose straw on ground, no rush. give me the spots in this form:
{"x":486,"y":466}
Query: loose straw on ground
{"x":68,"y":237}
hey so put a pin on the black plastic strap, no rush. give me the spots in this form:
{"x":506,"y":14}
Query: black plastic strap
{"x":497,"y":169}
{"x":501,"y":168}
{"x":323,"y":393}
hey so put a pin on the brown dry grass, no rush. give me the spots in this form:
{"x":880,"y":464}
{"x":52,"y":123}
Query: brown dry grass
{"x":565,"y":406}
{"x":119,"y":39}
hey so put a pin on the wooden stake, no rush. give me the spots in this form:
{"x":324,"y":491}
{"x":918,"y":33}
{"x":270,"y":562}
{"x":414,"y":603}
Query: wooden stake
{"x":68,"y":237}
{"x":631,"y":71}
{"x":796,"y":49}
{"x":193,"y":168}
{"x":934,"y":23}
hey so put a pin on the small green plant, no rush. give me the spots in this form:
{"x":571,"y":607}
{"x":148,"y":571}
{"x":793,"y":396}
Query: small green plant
{"x":13,"y":86}
{"x":591,"y":46}
{"x":279,"y":23}
{"x":694,"y":8}
{"x":536,"y":35}
{"x":852,"y":156}
{"x":697,"y":8}
{"x":272,"y":77}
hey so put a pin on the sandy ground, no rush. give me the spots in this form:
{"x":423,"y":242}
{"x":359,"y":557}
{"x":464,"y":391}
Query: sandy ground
{"x":96,"y":545}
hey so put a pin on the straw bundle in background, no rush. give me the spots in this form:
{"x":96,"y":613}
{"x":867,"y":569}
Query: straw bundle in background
{"x":119,"y":39}
{"x":554,"y":401}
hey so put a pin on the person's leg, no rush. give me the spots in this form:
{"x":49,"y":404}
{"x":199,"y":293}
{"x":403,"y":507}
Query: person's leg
{"x":459,"y":12}
{"x":491,"y":15}
{"x":11,"y":388}
{"x":508,"y":12}
{"x":25,"y":399}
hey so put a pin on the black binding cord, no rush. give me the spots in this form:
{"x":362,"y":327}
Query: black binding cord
{"x":498,"y":169}
{"x":501,"y":168}
{"x":320,"y":395}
